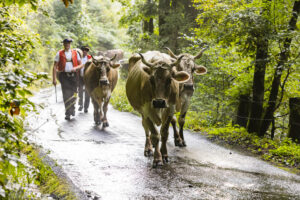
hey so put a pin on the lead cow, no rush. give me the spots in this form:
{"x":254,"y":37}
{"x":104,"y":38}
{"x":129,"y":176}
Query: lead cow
{"x":100,"y":77}
{"x":152,"y":89}
{"x":186,"y":90}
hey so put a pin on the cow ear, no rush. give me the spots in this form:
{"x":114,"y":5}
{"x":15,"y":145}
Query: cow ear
{"x":200,"y":70}
{"x":181,"y":76}
{"x":115,"y":66}
{"x":147,"y":70}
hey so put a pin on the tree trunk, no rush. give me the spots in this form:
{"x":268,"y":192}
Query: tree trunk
{"x":243,"y":111}
{"x":164,"y":10}
{"x":168,"y":32}
{"x":148,"y":26}
{"x":278,"y":71}
{"x":151,"y":26}
{"x":258,"y":85}
{"x":190,"y":11}
{"x":294,"y":122}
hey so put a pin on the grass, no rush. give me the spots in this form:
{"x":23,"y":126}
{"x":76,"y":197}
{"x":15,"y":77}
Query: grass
{"x":119,"y":100}
{"x":46,"y":179}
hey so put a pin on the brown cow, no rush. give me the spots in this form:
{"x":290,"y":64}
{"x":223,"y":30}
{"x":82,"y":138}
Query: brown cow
{"x":100,"y":77}
{"x":186,"y":90}
{"x":152,"y":88}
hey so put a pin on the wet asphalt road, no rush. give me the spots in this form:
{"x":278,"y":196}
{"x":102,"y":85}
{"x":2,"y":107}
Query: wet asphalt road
{"x":109,"y":164}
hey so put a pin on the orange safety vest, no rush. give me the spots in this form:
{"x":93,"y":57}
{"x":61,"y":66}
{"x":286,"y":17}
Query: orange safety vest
{"x":63,"y":60}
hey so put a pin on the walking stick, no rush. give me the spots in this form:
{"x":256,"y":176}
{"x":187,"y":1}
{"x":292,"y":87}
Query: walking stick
{"x":55,"y":93}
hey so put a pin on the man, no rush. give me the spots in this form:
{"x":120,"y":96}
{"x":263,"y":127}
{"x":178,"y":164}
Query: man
{"x":66,"y":62}
{"x":84,"y":59}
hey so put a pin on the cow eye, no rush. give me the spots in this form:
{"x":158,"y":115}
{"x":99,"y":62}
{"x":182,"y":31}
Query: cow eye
{"x":107,"y":68}
{"x":168,"y":82}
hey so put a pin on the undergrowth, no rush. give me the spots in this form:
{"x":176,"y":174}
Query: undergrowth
{"x":119,"y":100}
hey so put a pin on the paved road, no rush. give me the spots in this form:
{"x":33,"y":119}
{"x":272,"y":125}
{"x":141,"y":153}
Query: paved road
{"x":109,"y":164}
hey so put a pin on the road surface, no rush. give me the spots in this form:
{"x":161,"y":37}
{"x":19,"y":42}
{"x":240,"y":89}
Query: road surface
{"x":110,"y":163}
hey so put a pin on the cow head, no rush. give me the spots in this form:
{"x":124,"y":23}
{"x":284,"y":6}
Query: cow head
{"x":188,"y":65}
{"x":103,"y":66}
{"x":162,"y":74}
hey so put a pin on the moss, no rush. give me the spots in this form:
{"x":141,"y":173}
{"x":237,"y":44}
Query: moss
{"x":46,"y":179}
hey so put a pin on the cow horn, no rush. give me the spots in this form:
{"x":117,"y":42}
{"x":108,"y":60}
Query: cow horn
{"x":171,"y":53}
{"x":177,"y":61}
{"x":113,"y":57}
{"x":200,"y":53}
{"x":145,"y":62}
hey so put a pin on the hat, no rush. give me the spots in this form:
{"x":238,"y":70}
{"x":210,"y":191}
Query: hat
{"x":83,"y":48}
{"x":67,"y":40}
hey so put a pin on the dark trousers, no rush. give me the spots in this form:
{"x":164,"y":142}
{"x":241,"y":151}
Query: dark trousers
{"x":69,"y":88}
{"x":81,"y":90}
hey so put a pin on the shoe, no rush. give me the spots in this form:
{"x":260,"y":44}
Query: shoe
{"x":67,"y":117}
{"x":80,"y":108}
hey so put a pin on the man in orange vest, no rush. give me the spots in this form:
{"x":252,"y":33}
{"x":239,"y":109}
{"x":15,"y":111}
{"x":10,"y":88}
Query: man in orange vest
{"x":85,"y":58}
{"x":66,"y":63}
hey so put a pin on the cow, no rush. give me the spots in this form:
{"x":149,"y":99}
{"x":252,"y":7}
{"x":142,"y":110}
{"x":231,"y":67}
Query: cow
{"x":100,"y":78}
{"x":186,"y":90}
{"x":152,"y":88}
{"x":110,"y":53}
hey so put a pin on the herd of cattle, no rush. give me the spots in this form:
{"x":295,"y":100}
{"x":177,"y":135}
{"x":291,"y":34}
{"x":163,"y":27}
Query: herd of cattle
{"x":157,"y":86}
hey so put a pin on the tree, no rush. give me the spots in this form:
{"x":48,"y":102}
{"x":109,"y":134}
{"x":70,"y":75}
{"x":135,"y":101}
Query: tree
{"x":283,"y":58}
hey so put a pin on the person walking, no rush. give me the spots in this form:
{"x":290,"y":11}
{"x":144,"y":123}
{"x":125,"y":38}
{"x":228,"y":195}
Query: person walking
{"x":81,"y":88}
{"x":67,"y":61}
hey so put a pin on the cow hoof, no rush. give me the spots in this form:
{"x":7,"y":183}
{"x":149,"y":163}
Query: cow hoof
{"x":105,"y":124}
{"x":148,"y":153}
{"x":183,"y":144}
{"x":97,"y":122}
{"x":165,"y":159}
{"x":157,"y":163}
{"x":178,"y":143}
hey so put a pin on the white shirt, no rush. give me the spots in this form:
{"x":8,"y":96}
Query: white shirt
{"x":83,"y":61}
{"x":69,"y":65}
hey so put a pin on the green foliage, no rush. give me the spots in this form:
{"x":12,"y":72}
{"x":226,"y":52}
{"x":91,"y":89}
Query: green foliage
{"x":119,"y":100}
{"x":178,"y":21}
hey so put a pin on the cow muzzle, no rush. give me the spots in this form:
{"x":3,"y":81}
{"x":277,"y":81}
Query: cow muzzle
{"x":189,"y":86}
{"x":159,"y":103}
{"x":103,"y":82}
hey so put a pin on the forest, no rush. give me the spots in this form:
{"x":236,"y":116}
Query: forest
{"x":249,"y":97}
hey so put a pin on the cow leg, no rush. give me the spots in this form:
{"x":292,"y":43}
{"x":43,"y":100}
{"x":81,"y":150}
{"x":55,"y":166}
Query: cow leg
{"x":164,"y":131}
{"x":100,"y":111}
{"x":157,"y":161}
{"x":105,"y":108}
{"x":177,"y":139}
{"x":96,"y":113}
{"x":181,"y":122}
{"x":148,"y":145}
